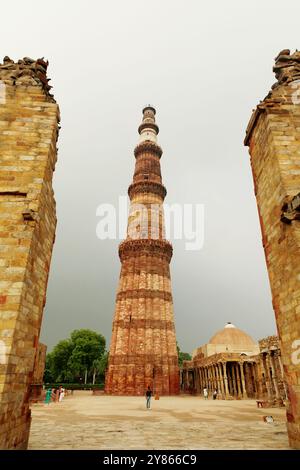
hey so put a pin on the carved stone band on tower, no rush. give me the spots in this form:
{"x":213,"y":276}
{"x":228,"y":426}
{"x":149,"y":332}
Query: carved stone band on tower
{"x":143,"y":349}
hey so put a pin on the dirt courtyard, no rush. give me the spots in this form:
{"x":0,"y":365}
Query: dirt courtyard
{"x":84,"y":421}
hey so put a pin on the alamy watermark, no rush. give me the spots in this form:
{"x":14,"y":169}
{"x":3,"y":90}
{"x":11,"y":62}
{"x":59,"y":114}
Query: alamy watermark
{"x":296,"y":353}
{"x":155,"y":221}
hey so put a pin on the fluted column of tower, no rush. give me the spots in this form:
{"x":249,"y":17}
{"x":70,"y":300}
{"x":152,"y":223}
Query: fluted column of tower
{"x":143,"y":345}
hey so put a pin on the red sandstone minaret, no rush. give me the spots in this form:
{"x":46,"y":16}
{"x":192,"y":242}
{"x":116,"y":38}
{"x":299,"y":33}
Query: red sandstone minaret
{"x":143,"y":345}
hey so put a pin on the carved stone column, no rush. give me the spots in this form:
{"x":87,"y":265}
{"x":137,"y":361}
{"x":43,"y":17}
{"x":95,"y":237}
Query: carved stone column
{"x":270,"y":381}
{"x":266,"y":375}
{"x":221,"y":380}
{"x":250,"y":379}
{"x":209,"y":378}
{"x":206,"y":377}
{"x":214,"y":377}
{"x":245,"y":395}
{"x":217,"y":378}
{"x":234,"y":380}
{"x":203,"y":377}
{"x":187,"y":381}
{"x":198,"y":380}
{"x":238,"y":380}
{"x":225,"y":379}
{"x":274,"y":377}
{"x":282,"y":375}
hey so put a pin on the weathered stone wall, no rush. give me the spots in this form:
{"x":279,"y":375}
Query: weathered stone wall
{"x":143,"y":345}
{"x":36,"y":392}
{"x":39,"y":364}
{"x":29,"y":120}
{"x":273,"y":136}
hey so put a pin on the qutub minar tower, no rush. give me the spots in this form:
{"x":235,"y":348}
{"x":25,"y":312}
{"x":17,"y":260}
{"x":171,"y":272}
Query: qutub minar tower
{"x":143,"y":345}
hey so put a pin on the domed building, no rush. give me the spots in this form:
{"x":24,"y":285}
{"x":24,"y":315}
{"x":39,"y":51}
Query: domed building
{"x":236,"y":366}
{"x":229,"y":340}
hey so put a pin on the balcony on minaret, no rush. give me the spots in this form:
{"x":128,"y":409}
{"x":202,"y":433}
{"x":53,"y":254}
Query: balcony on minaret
{"x":148,"y":130}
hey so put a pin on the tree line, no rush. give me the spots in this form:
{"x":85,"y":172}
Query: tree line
{"x":83,"y":358}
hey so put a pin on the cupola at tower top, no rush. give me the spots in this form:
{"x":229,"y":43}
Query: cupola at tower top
{"x":148,"y":129}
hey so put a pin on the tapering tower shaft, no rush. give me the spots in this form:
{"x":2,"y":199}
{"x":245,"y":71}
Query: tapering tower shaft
{"x":143,"y":346}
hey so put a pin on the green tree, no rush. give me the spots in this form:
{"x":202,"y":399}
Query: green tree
{"x":74,"y":357}
{"x":60,"y":361}
{"x":99,"y":366}
{"x":88,"y":346}
{"x":103,"y":363}
{"x":182,"y":356}
{"x":48,"y":374}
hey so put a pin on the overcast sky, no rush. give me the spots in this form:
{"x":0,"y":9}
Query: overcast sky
{"x":204,"y":66}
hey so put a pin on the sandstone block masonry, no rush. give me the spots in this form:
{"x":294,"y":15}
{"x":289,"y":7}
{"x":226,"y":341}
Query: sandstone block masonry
{"x":273,"y":137}
{"x":29,"y":119}
{"x":38,"y":373}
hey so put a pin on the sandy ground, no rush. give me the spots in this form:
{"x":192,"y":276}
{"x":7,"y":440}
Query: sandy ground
{"x":83,"y":421}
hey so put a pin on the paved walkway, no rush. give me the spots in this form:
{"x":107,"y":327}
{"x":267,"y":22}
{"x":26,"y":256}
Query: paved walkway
{"x":83,"y":421}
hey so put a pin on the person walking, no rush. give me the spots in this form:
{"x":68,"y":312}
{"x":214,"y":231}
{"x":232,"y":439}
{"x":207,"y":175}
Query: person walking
{"x":148,"y":397}
{"x":61,"y":394}
{"x":205,"y":393}
{"x":48,"y":396}
{"x":215,"y":394}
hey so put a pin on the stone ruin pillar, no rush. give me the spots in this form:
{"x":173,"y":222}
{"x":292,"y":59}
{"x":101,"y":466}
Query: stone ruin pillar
{"x":273,"y":137}
{"x":29,"y":119}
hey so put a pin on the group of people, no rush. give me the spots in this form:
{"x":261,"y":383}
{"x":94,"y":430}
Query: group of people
{"x":205,"y":394}
{"x":214,"y":395}
{"x":58,"y":395}
{"x":148,"y":394}
{"x":54,"y":394}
